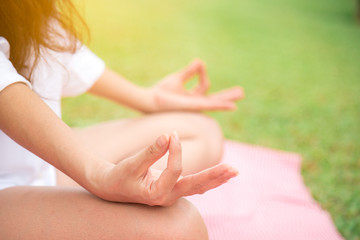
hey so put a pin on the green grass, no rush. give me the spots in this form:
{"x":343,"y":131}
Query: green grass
{"x":298,"y":60}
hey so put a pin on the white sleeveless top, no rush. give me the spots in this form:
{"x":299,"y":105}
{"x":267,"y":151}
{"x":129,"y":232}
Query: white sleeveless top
{"x":60,"y":74}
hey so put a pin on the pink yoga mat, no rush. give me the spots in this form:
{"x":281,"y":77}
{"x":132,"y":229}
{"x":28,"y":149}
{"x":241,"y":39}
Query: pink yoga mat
{"x":268,"y":200}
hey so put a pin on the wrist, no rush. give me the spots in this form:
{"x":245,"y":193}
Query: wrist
{"x":149,"y":101}
{"x":94,"y":177}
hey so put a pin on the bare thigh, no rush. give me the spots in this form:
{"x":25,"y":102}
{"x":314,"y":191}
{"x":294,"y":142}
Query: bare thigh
{"x":201,"y":138}
{"x":72,"y":213}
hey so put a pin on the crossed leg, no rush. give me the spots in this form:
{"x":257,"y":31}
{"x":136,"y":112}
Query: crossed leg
{"x":201,"y":139}
{"x":73,"y":213}
{"x":200,"y":136}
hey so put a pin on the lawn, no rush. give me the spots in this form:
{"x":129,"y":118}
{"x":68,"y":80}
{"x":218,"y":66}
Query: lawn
{"x":298,"y":60}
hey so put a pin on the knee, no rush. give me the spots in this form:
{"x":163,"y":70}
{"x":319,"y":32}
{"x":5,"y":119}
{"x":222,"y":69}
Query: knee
{"x":189,"y":223}
{"x":210,"y":127}
{"x":210,"y":133}
{"x":205,"y":126}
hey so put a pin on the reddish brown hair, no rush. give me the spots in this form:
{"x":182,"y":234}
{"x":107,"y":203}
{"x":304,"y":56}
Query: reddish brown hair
{"x":29,"y":25}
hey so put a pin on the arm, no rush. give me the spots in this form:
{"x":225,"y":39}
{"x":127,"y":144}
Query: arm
{"x":30,"y":122}
{"x":114,"y":87}
{"x":169,"y":94}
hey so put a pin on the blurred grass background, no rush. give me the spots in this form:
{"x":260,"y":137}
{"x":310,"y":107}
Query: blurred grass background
{"x":298,"y":60}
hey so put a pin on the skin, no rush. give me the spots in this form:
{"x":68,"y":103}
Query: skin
{"x":200,"y":136}
{"x":73,"y":213}
{"x":110,"y":162}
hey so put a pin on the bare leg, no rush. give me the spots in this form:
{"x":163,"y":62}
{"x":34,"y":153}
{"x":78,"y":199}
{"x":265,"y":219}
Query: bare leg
{"x":72,"y":213}
{"x":200,"y":136}
{"x":201,"y":139}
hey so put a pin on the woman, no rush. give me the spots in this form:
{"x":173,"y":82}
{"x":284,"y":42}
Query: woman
{"x":41,"y":60}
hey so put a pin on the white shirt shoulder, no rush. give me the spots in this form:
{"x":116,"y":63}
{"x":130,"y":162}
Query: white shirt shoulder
{"x":84,"y":68}
{"x":8,"y":74}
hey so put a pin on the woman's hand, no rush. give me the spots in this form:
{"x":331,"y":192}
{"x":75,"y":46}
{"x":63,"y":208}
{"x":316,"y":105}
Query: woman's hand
{"x":132,"y":180}
{"x":170,"y":93}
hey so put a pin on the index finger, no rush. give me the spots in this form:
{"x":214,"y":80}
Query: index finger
{"x":171,"y":174}
{"x":143,"y":160}
{"x":196,"y":67}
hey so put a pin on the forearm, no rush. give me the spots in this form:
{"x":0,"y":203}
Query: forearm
{"x":31,"y":123}
{"x":169,"y":94}
{"x":118,"y":89}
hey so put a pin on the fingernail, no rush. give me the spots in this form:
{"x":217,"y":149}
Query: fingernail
{"x":235,"y":171}
{"x":176,"y":135}
{"x":161,"y":141}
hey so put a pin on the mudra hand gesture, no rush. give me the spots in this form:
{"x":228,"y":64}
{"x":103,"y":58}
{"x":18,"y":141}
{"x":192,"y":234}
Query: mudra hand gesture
{"x":170,"y":92}
{"x":132,"y":180}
